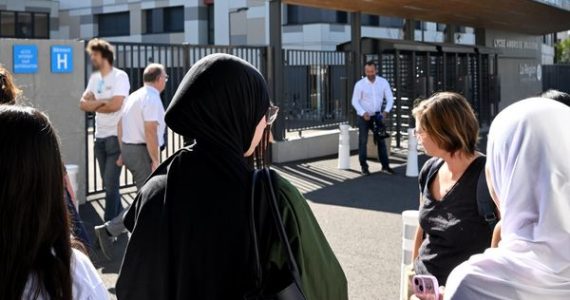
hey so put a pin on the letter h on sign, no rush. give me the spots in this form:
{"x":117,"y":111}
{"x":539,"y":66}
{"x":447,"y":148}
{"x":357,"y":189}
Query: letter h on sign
{"x":61,"y":59}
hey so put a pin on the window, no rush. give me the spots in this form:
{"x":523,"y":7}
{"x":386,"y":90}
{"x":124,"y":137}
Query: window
{"x":41,"y":25}
{"x":24,"y":24}
{"x":114,"y":24}
{"x":8,"y":24}
{"x":369,"y":20}
{"x":297,"y":15}
{"x":163,"y":20}
{"x":391,"y":22}
{"x":441,"y":27}
{"x":174,"y":19}
{"x":211,"y":24}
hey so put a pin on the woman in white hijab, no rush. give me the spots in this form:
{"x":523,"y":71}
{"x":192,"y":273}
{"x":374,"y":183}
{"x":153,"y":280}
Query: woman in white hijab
{"x":529,"y":171}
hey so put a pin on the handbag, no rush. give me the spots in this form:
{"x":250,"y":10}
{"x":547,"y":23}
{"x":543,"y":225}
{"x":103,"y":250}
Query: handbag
{"x":293,"y":290}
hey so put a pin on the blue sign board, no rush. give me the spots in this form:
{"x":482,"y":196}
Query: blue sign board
{"x":25,"y":59}
{"x":61,"y":59}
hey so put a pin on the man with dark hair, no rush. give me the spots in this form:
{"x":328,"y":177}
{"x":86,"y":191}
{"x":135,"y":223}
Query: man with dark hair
{"x":141,"y":133}
{"x":557,"y":95}
{"x":368,"y":99}
{"x":104,"y":95}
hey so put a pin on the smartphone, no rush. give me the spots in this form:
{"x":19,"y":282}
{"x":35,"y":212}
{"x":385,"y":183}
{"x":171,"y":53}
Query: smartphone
{"x":426,"y":287}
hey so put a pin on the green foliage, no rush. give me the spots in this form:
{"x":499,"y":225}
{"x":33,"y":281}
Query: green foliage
{"x":562,"y":51}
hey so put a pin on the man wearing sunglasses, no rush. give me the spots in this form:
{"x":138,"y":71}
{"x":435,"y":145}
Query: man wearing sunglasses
{"x":368,"y":100}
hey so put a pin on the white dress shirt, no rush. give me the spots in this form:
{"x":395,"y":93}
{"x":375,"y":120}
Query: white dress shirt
{"x":369,"y":96}
{"x":144,"y":105}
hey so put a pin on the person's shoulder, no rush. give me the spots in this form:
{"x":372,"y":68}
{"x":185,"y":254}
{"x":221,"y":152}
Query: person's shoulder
{"x":361,"y":81}
{"x":87,"y":284}
{"x":94,"y":76}
{"x":120,"y":74}
{"x":382,"y":79}
{"x":428,"y":165}
{"x":154,"y":186}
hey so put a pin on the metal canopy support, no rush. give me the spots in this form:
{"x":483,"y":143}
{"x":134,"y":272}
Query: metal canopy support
{"x":410,"y":30}
{"x":275,"y":72}
{"x":356,"y":58}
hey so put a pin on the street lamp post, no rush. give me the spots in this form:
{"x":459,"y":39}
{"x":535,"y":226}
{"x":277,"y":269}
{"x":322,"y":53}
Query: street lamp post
{"x":230,"y":13}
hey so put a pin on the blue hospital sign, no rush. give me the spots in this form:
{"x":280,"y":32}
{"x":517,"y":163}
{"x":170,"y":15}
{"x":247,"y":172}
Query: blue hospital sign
{"x":61,"y":59}
{"x":25,"y":59}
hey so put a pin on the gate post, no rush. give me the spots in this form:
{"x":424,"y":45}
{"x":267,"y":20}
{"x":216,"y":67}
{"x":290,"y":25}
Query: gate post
{"x":276,"y":65}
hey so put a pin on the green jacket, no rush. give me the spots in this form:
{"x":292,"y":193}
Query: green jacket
{"x":321,"y":274}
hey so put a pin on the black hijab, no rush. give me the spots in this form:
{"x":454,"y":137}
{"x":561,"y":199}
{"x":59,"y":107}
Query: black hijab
{"x":189,"y":223}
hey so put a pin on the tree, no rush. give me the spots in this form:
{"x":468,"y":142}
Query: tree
{"x":562,"y":54}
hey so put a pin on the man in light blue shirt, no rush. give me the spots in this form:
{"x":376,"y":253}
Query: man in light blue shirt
{"x":368,"y":99}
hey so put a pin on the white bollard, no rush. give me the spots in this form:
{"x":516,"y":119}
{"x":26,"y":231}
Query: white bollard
{"x":412,"y":164}
{"x":409,"y":226}
{"x":72,"y":171}
{"x":344,"y":147}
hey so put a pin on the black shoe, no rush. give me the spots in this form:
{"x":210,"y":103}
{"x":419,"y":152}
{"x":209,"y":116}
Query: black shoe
{"x":389,"y":171}
{"x":365,"y":172}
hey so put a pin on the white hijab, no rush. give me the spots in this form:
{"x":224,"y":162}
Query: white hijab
{"x":529,"y":159}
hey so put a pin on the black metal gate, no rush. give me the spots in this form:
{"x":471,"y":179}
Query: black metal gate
{"x":417,"y":70}
{"x":177,"y":59}
{"x":556,"y":77}
{"x":315,"y":89}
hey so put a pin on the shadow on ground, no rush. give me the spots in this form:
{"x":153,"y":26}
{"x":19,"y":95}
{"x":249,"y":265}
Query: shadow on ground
{"x":324,"y":184}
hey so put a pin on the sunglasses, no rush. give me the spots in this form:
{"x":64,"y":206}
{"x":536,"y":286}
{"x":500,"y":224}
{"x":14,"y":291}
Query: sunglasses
{"x":271,"y":114}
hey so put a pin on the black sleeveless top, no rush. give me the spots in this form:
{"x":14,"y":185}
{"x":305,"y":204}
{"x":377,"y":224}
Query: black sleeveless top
{"x":453,"y":228}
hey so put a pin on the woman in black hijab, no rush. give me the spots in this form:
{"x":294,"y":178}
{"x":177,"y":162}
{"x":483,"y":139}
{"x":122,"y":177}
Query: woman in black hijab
{"x":191,"y":235}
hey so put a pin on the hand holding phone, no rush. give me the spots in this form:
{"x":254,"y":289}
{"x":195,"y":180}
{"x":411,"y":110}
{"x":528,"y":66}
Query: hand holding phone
{"x":426,"y":287}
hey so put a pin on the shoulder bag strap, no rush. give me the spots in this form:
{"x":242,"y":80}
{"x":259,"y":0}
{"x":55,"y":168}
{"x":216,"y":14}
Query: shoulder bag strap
{"x":485,"y":204}
{"x":291,"y":261}
{"x":259,"y":276}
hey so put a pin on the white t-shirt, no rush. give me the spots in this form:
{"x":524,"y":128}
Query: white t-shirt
{"x":116,"y":83}
{"x":86,"y":283}
{"x":369,"y":96}
{"x":144,"y":105}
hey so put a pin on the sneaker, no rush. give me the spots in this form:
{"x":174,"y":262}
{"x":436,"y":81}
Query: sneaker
{"x":104,"y":240}
{"x":365,"y":172}
{"x":389,"y":171}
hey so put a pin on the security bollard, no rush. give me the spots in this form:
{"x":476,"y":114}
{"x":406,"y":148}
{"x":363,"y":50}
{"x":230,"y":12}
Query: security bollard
{"x":344,"y":147}
{"x":412,"y":164}
{"x":409,"y":226}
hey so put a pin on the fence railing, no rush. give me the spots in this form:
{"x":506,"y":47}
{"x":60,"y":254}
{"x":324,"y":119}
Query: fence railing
{"x":556,"y":77}
{"x":177,"y":59}
{"x":315,"y":89}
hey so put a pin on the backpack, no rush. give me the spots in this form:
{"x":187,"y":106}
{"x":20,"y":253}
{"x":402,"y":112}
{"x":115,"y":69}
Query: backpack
{"x":485,"y":204}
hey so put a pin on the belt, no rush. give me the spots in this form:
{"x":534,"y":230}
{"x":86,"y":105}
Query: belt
{"x":135,"y":144}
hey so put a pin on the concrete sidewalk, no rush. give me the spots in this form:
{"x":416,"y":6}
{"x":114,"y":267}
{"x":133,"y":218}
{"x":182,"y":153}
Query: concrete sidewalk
{"x":359,"y":215}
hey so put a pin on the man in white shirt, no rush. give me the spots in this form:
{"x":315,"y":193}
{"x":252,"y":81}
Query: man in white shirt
{"x":141,"y":132}
{"x":104,"y":95}
{"x":141,"y":128}
{"x":367,"y":100}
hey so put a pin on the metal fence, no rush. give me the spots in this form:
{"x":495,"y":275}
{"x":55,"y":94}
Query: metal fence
{"x":556,"y":77}
{"x":177,"y":59}
{"x":315,"y":89}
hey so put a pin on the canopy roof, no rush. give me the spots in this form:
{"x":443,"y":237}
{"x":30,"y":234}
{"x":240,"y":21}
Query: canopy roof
{"x":523,"y":16}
